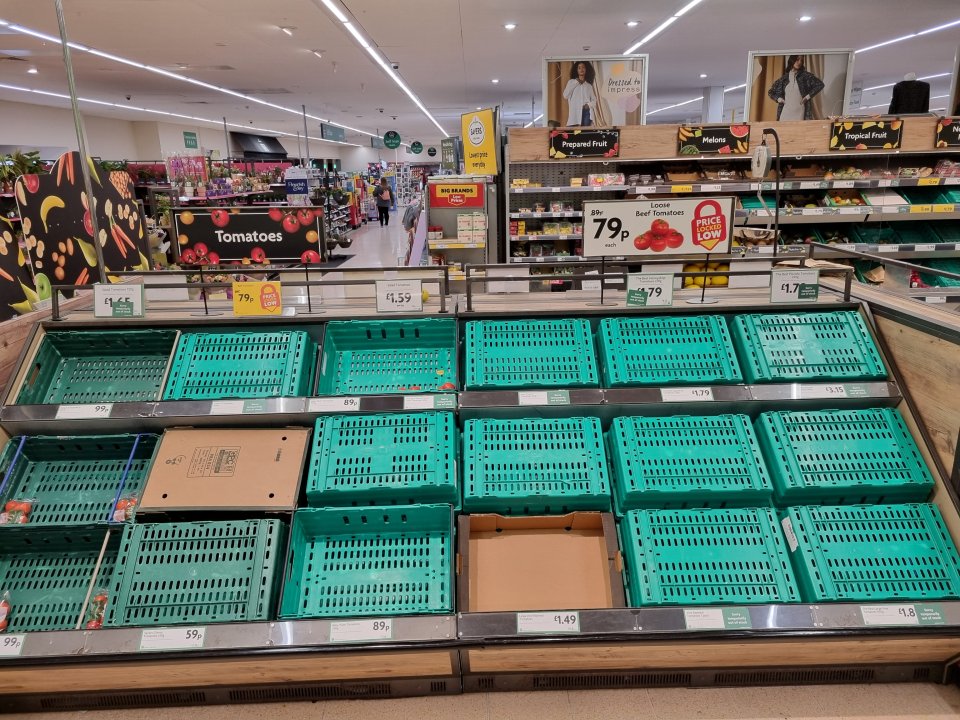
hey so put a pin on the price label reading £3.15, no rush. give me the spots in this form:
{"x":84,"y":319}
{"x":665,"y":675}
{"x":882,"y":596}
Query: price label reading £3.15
{"x":397,"y":296}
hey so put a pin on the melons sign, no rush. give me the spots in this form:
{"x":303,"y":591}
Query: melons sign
{"x":456,"y":195}
{"x":713,"y":139}
{"x":679,"y":226}
{"x":211,"y":236}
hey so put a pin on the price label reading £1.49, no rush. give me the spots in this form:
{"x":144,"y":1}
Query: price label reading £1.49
{"x":648,"y":290}
{"x":548,"y":622}
{"x":794,"y":286}
{"x":397,"y":296}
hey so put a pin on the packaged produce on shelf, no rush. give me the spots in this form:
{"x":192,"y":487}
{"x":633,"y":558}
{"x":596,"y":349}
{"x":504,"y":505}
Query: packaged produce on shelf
{"x":5,"y":608}
{"x":16,"y":512}
{"x":539,"y":207}
{"x":96,"y":610}
{"x":948,"y":168}
{"x":752,"y":237}
{"x":797,"y":201}
{"x":604,"y":179}
{"x":565,"y":228}
{"x":833,"y":235}
{"x":799,"y":236}
{"x":576,"y":182}
{"x":551,"y":228}
{"x":844,"y":198}
{"x":915,"y":172}
{"x":124,"y":510}
{"x":722,"y":172}
{"x":556,"y":207}
{"x":846,"y":173}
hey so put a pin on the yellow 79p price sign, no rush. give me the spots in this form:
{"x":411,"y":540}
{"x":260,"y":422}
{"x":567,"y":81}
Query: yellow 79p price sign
{"x":257,"y":298}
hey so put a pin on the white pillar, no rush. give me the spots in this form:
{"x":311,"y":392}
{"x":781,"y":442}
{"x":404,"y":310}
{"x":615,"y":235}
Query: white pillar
{"x":712,"y":104}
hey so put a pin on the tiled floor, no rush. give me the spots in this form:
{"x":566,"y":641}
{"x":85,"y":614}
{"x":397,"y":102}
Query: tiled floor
{"x":821,"y":702}
{"x":374,"y":246}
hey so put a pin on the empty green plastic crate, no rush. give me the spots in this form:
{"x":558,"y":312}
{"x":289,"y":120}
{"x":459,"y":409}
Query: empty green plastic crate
{"x":681,"y":462}
{"x":872,"y":552}
{"x":947,"y":232}
{"x":507,"y":354}
{"x":388,"y":356}
{"x":797,"y":347}
{"x":873,"y":234}
{"x":667,"y":351}
{"x":48,"y":573}
{"x":370,"y":561}
{"x":945,"y":264}
{"x":706,"y":557}
{"x":534,"y":466}
{"x":74,"y":480}
{"x":397,"y":459}
{"x":205,"y":572}
{"x":98,"y":366}
{"x":242,"y":365}
{"x":913,"y":233}
{"x":842,"y":457}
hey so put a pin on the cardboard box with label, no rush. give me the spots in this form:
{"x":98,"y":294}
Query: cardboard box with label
{"x":226,"y":470}
{"x":561,"y":562}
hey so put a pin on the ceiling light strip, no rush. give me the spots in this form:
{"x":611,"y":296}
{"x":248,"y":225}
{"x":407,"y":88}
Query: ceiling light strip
{"x":937,"y":28}
{"x":671,"y":107}
{"x":536,"y":119}
{"x":662,"y":26}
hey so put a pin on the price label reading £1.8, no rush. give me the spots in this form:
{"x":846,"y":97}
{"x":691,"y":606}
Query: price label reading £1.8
{"x":397,"y":296}
{"x":794,"y":286}
{"x":647,"y":290}
{"x":889,"y":615}
{"x":548,"y":622}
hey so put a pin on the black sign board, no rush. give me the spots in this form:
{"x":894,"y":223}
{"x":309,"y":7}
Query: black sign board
{"x":713,"y":139}
{"x":948,"y":132}
{"x":866,"y":134}
{"x":575,"y":143}
{"x":207,"y":235}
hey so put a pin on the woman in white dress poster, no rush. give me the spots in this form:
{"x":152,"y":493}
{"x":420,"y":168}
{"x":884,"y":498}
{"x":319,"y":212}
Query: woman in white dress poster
{"x":581,"y":95}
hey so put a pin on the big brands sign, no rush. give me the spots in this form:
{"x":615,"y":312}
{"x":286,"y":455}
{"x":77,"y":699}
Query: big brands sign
{"x":480,"y":145}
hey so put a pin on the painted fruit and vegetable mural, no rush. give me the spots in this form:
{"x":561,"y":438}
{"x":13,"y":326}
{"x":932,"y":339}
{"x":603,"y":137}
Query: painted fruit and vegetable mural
{"x":17,"y":293}
{"x":211,"y":236}
{"x":56,"y":217}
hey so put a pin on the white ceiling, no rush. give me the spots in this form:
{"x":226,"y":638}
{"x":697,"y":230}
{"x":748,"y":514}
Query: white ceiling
{"x":447,"y":50}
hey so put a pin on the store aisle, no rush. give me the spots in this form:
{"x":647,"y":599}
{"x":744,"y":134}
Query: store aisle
{"x":375,"y":246}
{"x":816,"y":702}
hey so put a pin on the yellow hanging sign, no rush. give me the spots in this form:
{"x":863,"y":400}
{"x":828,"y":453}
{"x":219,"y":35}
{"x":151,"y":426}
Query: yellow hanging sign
{"x":257,"y":298}
{"x":479,"y":131}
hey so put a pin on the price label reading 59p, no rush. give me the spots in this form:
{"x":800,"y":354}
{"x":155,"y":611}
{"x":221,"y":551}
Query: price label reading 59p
{"x":397,"y":296}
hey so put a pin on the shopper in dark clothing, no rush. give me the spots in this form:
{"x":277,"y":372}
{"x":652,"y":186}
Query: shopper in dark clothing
{"x":910,"y":96}
{"x":384,"y":197}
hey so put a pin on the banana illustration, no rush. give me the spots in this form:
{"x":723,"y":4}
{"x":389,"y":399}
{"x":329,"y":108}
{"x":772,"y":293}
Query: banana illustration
{"x":49,"y":202}
{"x":89,"y":252}
{"x":685,"y":133}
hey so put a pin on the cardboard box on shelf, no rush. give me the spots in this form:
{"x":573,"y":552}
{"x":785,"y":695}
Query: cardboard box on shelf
{"x":552,"y":562}
{"x":226,"y":469}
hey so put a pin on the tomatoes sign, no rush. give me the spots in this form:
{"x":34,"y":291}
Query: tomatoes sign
{"x":456,"y":195}
{"x":671,"y":226}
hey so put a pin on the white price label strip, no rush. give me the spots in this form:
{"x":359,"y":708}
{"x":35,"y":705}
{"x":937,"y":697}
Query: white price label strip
{"x":181,"y":638}
{"x":84,"y":412}
{"x":704,"y":618}
{"x":788,"y":286}
{"x":846,"y":210}
{"x":649,"y":290}
{"x":889,"y":615}
{"x":361,"y":630}
{"x":646,"y":189}
{"x":888,"y":248}
{"x":548,"y":622}
{"x":951,"y":181}
{"x":333,"y":404}
{"x":839,"y":184}
{"x":532,"y":397}
{"x":692,"y":394}
{"x":399,"y":296}
{"x":226,"y":407}
{"x":11,"y":645}
{"x":926,"y":247}
{"x":711,"y":188}
{"x":418,"y":402}
{"x":822,"y":392}
{"x":792,"y":541}
{"x":885,"y":183}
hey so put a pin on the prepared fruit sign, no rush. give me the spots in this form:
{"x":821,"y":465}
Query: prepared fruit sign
{"x":211,"y":236}
{"x":866,"y":134}
{"x":948,"y":132}
{"x":584,"y":143}
{"x":660,"y":228}
{"x":456,"y":195}
{"x":713,"y":139}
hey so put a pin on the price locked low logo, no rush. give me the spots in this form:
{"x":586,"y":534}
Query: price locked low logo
{"x":709,"y":228}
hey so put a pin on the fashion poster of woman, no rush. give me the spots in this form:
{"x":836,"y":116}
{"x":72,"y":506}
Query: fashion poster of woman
{"x":798,"y":84}
{"x":595,"y":91}
{"x":953,"y":108}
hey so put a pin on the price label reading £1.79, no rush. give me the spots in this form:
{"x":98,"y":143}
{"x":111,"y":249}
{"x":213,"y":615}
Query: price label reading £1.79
{"x":647,"y":290}
{"x":397,"y":296}
{"x":794,"y":286}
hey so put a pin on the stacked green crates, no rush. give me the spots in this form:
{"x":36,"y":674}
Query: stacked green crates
{"x":799,"y":347}
{"x":706,"y":557}
{"x":534,"y":466}
{"x":684,"y":462}
{"x":872,"y":553}
{"x":388,"y":356}
{"x":508,"y":354}
{"x":46,"y":574}
{"x":843,"y":457}
{"x":74,"y":480}
{"x":203,"y":572}
{"x":946,"y":264}
{"x":396,"y":459}
{"x":98,"y":366}
{"x":667,"y":351}
{"x":351,"y":562}
{"x":242,"y":365}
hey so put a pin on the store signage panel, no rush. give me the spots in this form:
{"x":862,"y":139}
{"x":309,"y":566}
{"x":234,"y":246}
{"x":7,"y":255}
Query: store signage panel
{"x":258,"y":235}
{"x":479,"y":131}
{"x":332,"y":132}
{"x":866,"y":134}
{"x":190,"y":141}
{"x":713,"y":139}
{"x":948,"y":132}
{"x":456,"y":195}
{"x":255,"y":298}
{"x":658,"y":228}
{"x":448,"y":154}
{"x":584,"y":143}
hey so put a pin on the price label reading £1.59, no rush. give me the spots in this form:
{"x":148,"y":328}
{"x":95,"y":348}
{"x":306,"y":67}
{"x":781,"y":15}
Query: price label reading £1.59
{"x":794,"y":286}
{"x":646,"y":290}
{"x":397,"y":296}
